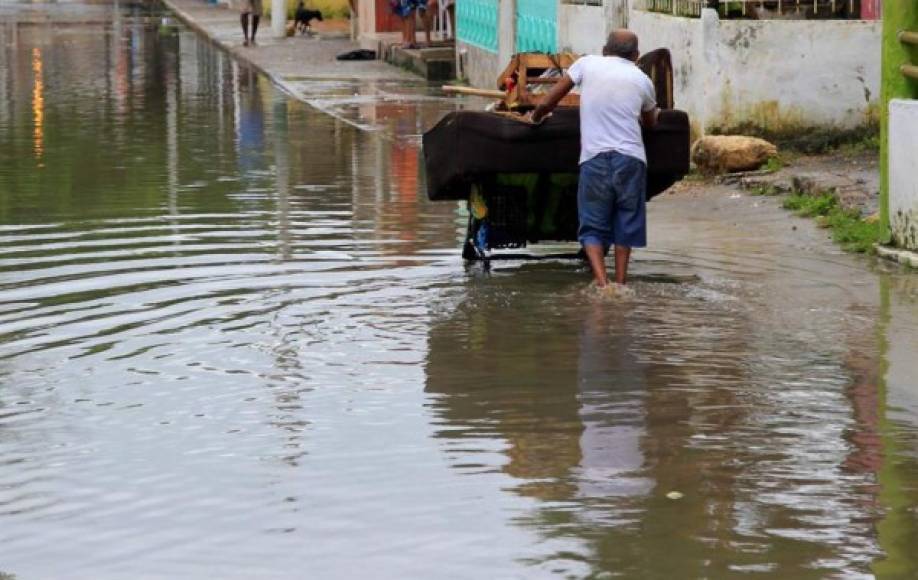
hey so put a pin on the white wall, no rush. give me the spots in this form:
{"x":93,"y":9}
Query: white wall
{"x":683,"y":38}
{"x":583,"y":29}
{"x":479,"y":67}
{"x":797,"y":71}
{"x":903,"y":172}
{"x":778,"y":75}
{"x":366,"y":21}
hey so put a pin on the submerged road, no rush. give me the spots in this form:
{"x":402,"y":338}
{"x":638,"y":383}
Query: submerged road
{"x":236,"y":341}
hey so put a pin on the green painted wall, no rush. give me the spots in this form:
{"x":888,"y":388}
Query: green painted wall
{"x":897,"y":15}
{"x":537,"y":26}
{"x":478,"y":23}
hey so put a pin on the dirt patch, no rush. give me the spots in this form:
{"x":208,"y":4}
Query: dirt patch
{"x":840,"y":191}
{"x":852,"y":177}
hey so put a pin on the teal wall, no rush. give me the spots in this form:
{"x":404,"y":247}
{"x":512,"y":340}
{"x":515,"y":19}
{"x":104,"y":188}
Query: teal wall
{"x":536,"y":25}
{"x":477,"y":23}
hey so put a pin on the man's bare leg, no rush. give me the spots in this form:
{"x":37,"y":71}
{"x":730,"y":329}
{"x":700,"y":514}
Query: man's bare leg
{"x":244,"y":19}
{"x":595,"y":255}
{"x":622,"y":257}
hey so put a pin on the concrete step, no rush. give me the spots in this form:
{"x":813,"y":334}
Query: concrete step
{"x":436,"y":63}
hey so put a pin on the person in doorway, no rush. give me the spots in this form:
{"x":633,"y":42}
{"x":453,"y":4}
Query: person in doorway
{"x":616,"y":97}
{"x":407,"y":11}
{"x":250,"y":14}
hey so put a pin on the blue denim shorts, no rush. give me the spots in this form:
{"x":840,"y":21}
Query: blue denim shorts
{"x":403,"y":8}
{"x":611,"y":201}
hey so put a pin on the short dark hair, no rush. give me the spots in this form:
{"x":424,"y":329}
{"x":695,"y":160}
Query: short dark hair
{"x":623,"y":45}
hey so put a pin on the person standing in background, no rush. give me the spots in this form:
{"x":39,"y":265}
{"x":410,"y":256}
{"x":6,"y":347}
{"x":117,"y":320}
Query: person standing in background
{"x":407,"y":11}
{"x":250,"y":12}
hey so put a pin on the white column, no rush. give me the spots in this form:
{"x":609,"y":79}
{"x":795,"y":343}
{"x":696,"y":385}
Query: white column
{"x":279,"y":18}
{"x":903,"y":191}
{"x":506,"y":36}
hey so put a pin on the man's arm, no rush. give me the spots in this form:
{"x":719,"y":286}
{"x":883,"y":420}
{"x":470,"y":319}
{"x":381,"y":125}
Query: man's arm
{"x":552,"y":99}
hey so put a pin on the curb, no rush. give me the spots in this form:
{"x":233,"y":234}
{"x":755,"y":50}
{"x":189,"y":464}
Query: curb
{"x":898,"y":255}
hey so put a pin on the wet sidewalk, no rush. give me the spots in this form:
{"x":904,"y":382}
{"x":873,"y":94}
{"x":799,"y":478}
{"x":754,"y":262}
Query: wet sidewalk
{"x":291,"y":58}
{"x":370,"y":95}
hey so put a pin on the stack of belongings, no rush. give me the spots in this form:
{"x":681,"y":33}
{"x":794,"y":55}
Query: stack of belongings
{"x":521,"y":178}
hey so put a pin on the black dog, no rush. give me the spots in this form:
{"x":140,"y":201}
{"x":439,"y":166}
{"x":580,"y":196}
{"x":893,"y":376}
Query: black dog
{"x":304,"y":16}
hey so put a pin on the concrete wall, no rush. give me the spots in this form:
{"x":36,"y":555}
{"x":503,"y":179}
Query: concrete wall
{"x":798,"y":72}
{"x":366,"y":19}
{"x":903,"y":172}
{"x":583,"y":29}
{"x":683,"y":38}
{"x":776,"y":75}
{"x":479,"y":67}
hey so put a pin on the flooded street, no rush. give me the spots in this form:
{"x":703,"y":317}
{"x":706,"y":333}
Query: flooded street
{"x":237,"y":341}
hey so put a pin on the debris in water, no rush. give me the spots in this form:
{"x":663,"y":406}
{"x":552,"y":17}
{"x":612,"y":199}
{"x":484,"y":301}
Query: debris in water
{"x":674,"y":495}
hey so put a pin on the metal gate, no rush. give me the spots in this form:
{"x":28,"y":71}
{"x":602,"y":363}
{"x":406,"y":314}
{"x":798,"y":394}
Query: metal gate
{"x":536,"y":25}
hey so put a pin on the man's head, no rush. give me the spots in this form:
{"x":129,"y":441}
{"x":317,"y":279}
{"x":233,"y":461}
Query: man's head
{"x":623,"y":43}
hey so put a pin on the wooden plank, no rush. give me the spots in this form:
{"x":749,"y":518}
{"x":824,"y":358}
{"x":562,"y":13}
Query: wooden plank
{"x":473,"y":91}
{"x":909,"y":70}
{"x":908,"y":37}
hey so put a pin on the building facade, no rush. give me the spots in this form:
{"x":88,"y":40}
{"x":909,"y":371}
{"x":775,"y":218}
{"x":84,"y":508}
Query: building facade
{"x":778,"y":73}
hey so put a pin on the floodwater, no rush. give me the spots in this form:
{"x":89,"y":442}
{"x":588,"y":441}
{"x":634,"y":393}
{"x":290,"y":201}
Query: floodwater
{"x":236,"y":341}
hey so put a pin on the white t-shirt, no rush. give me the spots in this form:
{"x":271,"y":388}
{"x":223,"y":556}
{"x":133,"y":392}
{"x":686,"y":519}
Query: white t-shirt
{"x":613,"y":94}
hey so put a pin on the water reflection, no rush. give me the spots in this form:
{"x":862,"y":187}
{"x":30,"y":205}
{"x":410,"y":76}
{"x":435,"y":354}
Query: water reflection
{"x":38,"y":105}
{"x":898,"y":426}
{"x":604,"y":408}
